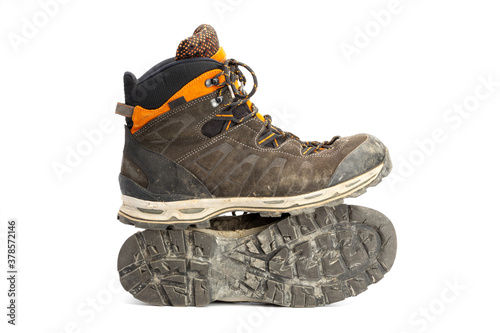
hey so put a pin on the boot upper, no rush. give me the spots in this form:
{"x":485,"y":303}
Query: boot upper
{"x":192,"y":111}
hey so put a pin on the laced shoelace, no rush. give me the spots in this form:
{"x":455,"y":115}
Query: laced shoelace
{"x":239,"y":96}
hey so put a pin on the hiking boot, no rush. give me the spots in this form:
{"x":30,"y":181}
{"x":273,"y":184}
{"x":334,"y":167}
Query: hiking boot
{"x":308,"y":260}
{"x":196,"y":147}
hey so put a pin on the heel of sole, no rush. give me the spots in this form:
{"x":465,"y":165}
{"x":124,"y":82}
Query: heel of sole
{"x":167,"y":267}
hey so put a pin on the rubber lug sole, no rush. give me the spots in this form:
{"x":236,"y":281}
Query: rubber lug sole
{"x":307,"y":260}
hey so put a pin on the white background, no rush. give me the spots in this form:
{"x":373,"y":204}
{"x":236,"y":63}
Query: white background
{"x":67,"y":76}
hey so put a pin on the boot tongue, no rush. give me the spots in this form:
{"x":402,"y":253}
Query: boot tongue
{"x":203,"y":43}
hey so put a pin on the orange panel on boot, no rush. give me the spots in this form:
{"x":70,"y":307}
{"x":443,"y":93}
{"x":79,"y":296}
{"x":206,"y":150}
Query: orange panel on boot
{"x":220,"y":56}
{"x":193,"y":90}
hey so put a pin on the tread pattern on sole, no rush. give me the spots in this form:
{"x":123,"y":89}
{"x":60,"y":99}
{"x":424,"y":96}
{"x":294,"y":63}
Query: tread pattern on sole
{"x":300,"y":261}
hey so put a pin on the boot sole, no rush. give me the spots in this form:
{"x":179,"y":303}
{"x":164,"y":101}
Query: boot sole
{"x":198,"y":212}
{"x":308,"y":260}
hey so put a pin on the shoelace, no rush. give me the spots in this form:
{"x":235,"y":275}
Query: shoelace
{"x":239,"y":96}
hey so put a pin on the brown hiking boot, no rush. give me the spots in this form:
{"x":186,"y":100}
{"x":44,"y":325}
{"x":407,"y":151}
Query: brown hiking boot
{"x":197,"y":147}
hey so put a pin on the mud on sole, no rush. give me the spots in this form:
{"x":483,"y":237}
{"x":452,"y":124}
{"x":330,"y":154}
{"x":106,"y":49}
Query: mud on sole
{"x":308,"y":260}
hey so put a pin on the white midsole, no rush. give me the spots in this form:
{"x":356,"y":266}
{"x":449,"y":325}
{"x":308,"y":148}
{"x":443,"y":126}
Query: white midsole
{"x":197,"y":210}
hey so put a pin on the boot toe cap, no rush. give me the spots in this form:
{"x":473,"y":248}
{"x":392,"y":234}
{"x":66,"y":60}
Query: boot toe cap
{"x":368,"y":154}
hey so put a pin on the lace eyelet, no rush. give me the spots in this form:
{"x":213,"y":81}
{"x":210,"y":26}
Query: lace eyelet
{"x":211,"y":82}
{"x":216,"y":101}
